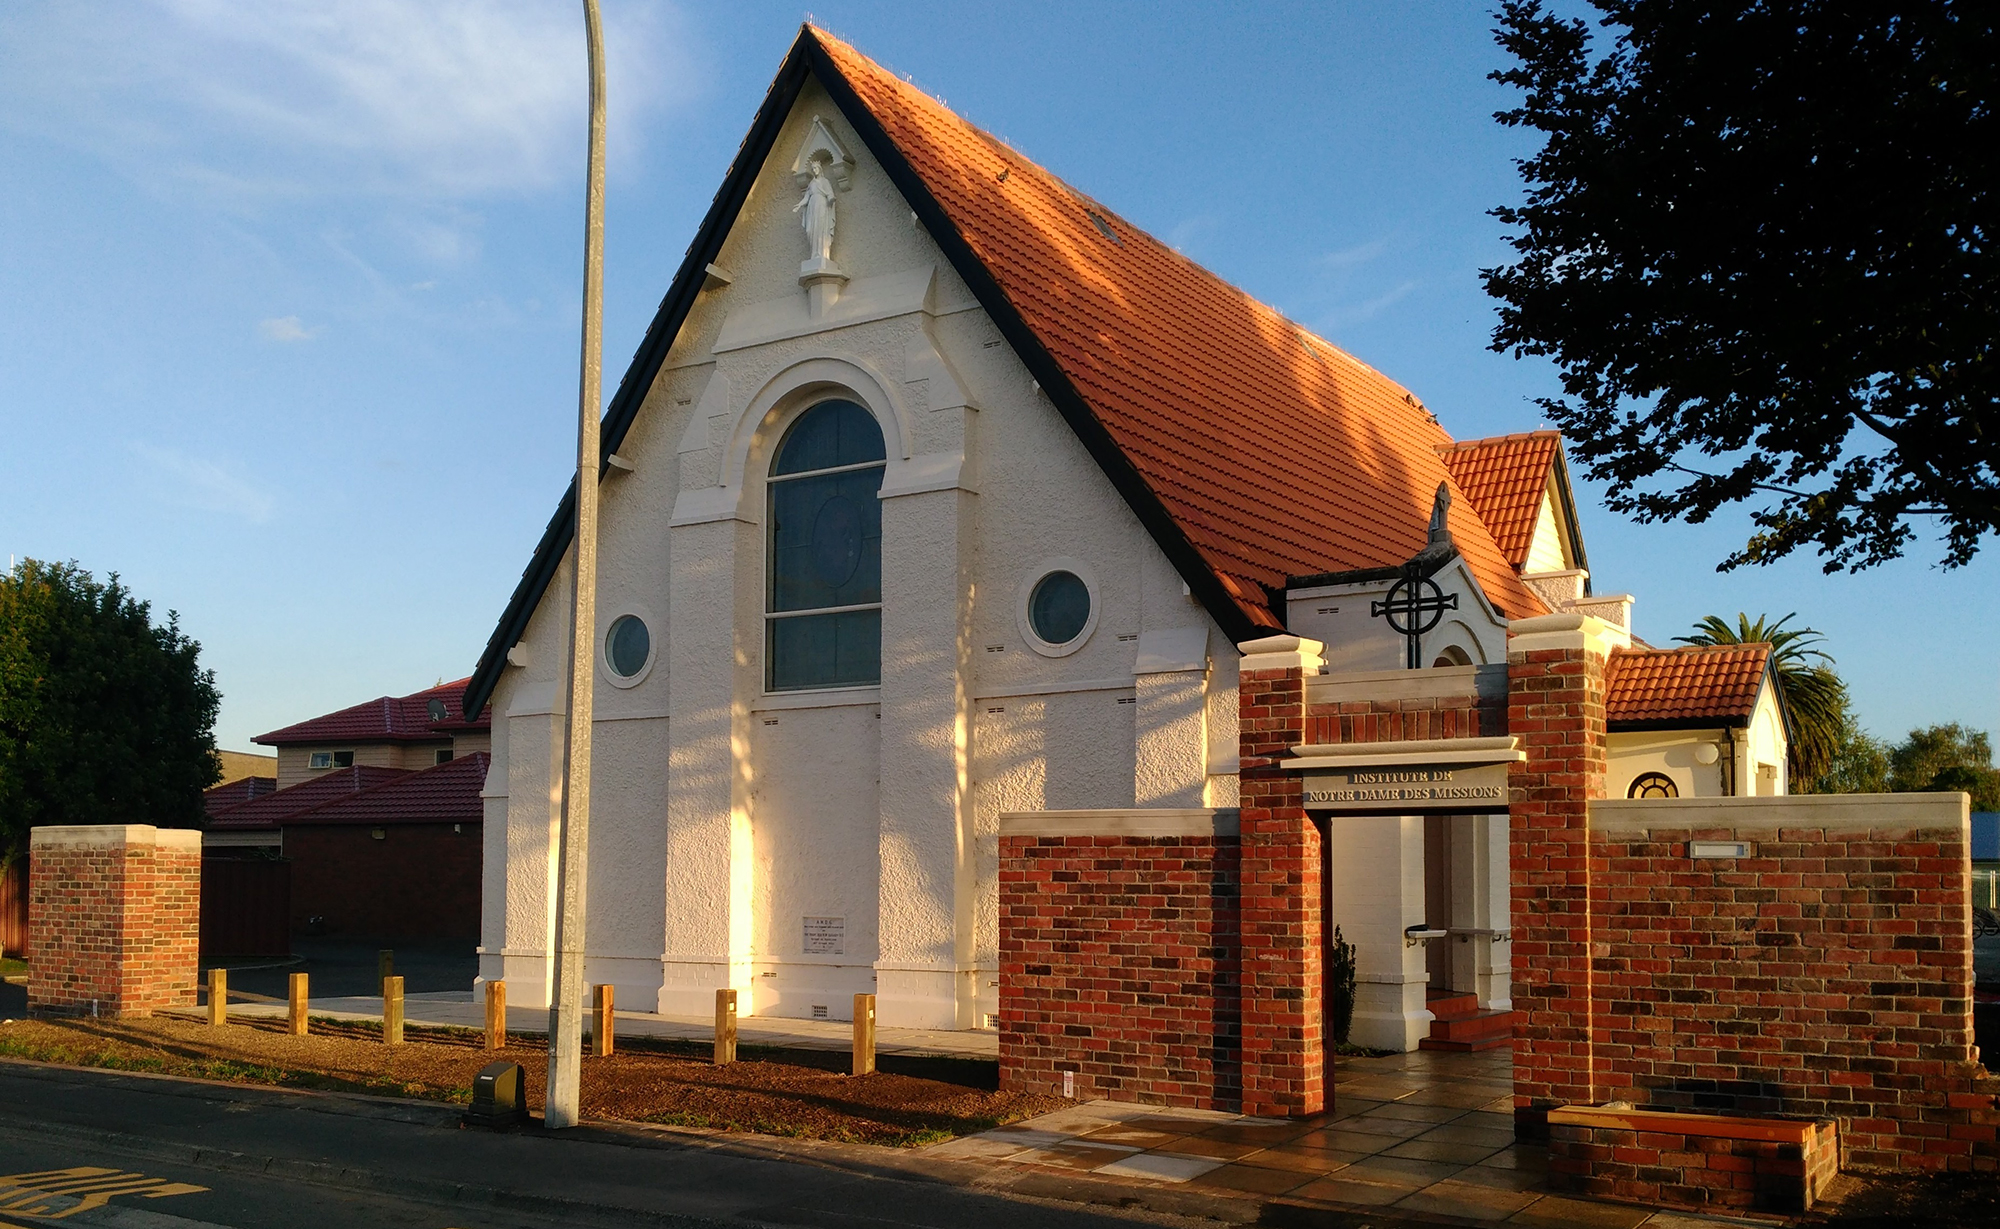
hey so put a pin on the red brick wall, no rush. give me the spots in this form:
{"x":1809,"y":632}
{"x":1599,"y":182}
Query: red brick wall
{"x":1555,"y":706}
{"x":1284,"y":1052}
{"x":1671,"y":1160}
{"x":421,"y":881}
{"x":1117,"y":962}
{"x":1377,"y":721}
{"x":1828,"y":975}
{"x":114,"y":921}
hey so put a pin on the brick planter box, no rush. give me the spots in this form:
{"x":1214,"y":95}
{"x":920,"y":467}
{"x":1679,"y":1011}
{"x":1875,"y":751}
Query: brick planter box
{"x":1692,"y":1160}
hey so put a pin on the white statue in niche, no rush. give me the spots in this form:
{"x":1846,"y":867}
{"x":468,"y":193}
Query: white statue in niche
{"x":817,"y":207}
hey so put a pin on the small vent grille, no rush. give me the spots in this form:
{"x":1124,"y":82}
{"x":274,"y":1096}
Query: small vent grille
{"x":819,"y":1011}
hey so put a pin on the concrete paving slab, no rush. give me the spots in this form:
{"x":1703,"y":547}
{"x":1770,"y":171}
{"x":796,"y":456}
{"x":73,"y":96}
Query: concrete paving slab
{"x":1555,"y":1212}
{"x":1454,"y":1198}
{"x":1160,"y":1167}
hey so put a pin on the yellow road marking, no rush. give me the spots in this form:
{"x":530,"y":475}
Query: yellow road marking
{"x":52,"y":1194}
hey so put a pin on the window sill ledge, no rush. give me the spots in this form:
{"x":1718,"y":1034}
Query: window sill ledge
{"x":838,"y":697}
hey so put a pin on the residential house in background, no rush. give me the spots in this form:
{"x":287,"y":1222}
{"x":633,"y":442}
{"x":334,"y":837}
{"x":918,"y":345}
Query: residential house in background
{"x":376,"y":809}
{"x":420,"y":730}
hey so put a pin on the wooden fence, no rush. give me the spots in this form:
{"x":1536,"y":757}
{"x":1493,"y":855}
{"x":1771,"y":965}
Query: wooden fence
{"x":246,"y":907}
{"x":14,"y":909}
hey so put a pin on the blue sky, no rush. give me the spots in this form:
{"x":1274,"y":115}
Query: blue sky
{"x":289,"y":291}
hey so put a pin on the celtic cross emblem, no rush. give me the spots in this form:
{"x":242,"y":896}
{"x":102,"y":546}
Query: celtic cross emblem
{"x":1413,"y":606}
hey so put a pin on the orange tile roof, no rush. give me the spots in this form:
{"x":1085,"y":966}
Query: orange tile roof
{"x":1251,"y":449}
{"x":1505,"y":478}
{"x":1657,"y":686}
{"x":1273,"y":451}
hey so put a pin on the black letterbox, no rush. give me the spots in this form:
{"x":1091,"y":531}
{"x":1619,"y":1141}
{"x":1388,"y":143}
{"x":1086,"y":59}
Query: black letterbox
{"x":499,"y":1098}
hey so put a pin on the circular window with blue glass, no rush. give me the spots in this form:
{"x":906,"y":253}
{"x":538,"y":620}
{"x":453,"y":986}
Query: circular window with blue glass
{"x":1059,"y":607}
{"x":628,"y":650}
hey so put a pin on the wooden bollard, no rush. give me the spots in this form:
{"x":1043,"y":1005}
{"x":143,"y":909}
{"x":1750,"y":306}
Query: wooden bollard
{"x":385,"y":964}
{"x":218,"y":997}
{"x":496,"y":1015}
{"x":725,"y":1027}
{"x":600,"y":1030}
{"x":392,"y":1011}
{"x":864,"y":1034}
{"x":298,"y":996}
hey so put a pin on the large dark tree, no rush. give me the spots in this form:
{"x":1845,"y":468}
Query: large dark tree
{"x":1757,"y":244}
{"x":105,"y":717}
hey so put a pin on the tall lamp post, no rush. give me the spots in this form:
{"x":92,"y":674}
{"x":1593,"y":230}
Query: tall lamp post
{"x":562,"y":1107}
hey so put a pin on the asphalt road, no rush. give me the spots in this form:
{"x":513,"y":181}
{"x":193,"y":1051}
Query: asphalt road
{"x":168,"y":1154}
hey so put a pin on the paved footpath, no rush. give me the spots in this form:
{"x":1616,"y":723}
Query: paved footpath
{"x":152,"y":1152}
{"x":181,"y":1154}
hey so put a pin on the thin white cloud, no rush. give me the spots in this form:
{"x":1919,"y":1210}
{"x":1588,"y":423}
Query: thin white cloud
{"x":1368,"y":309}
{"x":251,"y":100}
{"x":1360,"y":254}
{"x":285,"y":328}
{"x":201,"y":483}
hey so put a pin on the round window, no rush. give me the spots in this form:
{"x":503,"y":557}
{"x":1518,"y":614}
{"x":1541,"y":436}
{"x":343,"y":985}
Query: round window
{"x":1059,"y":608}
{"x":1653,"y":785}
{"x":627,"y":645}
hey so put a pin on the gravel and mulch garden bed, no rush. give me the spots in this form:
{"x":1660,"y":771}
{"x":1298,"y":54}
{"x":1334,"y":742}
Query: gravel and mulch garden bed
{"x":795,"y":1093}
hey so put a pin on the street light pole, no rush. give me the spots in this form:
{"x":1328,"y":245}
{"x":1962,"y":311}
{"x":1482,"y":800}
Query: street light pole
{"x":562,"y":1107}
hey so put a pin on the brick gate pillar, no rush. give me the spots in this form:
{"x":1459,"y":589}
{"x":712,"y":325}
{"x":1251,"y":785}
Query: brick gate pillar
{"x":1284,"y":1054}
{"x":1555,"y":705}
{"x":114,"y":919}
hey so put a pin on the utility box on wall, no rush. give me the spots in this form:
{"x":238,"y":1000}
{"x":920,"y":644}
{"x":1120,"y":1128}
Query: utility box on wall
{"x":114,"y":919}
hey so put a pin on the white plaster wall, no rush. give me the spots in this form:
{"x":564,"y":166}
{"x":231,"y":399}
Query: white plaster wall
{"x":1338,"y":617}
{"x":1548,"y":549}
{"x":1673,"y":752}
{"x":726,"y":830}
{"x":1376,"y":869}
{"x":1767,"y":744}
{"x":814,"y":802}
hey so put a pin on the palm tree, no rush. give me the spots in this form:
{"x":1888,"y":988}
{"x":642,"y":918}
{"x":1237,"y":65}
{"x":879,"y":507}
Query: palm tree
{"x":1815,"y":697}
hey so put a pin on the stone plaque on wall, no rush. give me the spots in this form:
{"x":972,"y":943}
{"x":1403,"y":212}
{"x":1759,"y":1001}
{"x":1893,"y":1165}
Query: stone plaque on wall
{"x":1404,"y":788}
{"x":826,"y":936}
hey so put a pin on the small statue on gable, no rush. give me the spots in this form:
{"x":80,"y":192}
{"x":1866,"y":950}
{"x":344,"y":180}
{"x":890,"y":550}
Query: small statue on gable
{"x":817,"y":209}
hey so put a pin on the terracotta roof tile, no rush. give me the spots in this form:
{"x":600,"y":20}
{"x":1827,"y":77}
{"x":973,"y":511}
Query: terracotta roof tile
{"x":446,"y":794}
{"x":1275,"y":453}
{"x":1690,"y":684}
{"x":386,"y":719}
{"x":1504,"y":477}
{"x":272,"y":810}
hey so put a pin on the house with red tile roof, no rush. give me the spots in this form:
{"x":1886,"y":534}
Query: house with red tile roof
{"x":377,"y":814}
{"x":1694,"y":722}
{"x":418,"y":730}
{"x":937,"y":490}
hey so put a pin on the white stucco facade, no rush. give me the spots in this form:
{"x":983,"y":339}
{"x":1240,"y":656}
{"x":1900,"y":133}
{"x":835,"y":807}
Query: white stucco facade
{"x":728,"y":820}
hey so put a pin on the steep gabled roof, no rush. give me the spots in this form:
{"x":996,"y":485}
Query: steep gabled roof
{"x":391,"y":719}
{"x":273,"y":810}
{"x":446,"y":794}
{"x":1665,"y":688}
{"x":1251,"y":449}
{"x":1505,"y":477}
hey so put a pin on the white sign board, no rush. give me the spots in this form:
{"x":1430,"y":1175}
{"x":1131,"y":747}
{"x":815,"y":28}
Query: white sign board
{"x":826,"y":936}
{"x":1404,"y":788}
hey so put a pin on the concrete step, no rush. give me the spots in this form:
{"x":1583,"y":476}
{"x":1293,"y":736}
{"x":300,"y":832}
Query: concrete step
{"x":1451,"y":1004}
{"x":1483,"y":1030}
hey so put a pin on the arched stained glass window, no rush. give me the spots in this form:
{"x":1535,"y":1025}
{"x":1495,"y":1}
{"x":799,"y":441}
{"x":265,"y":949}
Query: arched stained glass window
{"x":823,"y":534}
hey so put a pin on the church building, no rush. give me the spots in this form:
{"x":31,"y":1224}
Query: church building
{"x":937,"y":492}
